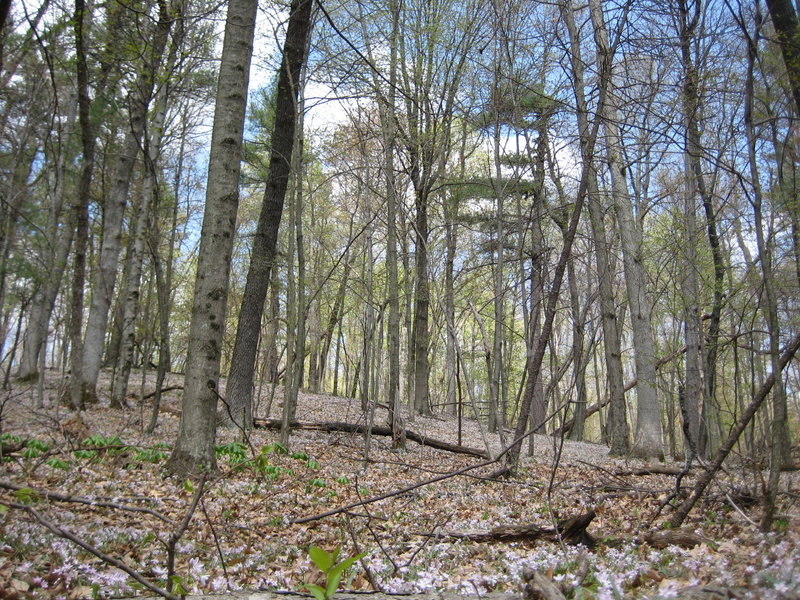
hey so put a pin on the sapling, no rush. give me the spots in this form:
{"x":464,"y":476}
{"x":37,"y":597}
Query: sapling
{"x":326,"y":562}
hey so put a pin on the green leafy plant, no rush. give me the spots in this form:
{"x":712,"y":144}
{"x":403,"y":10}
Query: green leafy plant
{"x":150,"y":455}
{"x":85,"y":454}
{"x":57,"y":463}
{"x":326,"y":562}
{"x":26,"y":496}
{"x":343,"y":480}
{"x":34,"y":449}
{"x":299,"y":455}
{"x":316,"y":482}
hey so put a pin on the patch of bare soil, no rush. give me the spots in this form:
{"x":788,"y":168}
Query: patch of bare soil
{"x":252,"y":525}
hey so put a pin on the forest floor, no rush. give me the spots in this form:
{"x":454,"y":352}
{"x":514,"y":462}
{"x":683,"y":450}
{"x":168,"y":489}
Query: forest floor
{"x":243,"y":535}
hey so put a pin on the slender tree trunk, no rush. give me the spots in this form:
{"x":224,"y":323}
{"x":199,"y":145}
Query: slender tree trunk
{"x":144,"y":216}
{"x":56,"y":253}
{"x":334,"y":317}
{"x":617,"y":422}
{"x":647,"y":440}
{"x":194,"y":450}
{"x":105,"y":277}
{"x":778,"y":433}
{"x":80,"y":207}
{"x":496,"y":418}
{"x":707,"y":437}
{"x":421,"y":303}
{"x":262,"y":259}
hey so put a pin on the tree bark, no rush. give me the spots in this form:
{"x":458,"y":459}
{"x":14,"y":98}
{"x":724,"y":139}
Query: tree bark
{"x":784,"y":19}
{"x":80,"y":207}
{"x":778,"y":429}
{"x":617,"y":423}
{"x":144,"y":213}
{"x":262,"y":259}
{"x":105,"y":277}
{"x":647,"y":439}
{"x":194,"y":450}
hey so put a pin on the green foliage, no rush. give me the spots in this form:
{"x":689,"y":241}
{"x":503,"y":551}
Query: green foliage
{"x":178,"y":585}
{"x":34,"y":449}
{"x":149,"y":455}
{"x":26,"y":496}
{"x":10,"y":438}
{"x":299,"y":455}
{"x":342,"y":480}
{"x":326,"y":562}
{"x":316,"y":482}
{"x":85,"y":454}
{"x":99,"y":441}
{"x":57,"y":463}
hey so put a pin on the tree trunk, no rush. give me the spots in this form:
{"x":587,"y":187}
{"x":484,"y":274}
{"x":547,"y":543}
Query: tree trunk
{"x":56,"y":253}
{"x":617,"y":422}
{"x":144,"y":215}
{"x":778,"y":432}
{"x":80,"y":207}
{"x":784,"y":19}
{"x":194,"y":451}
{"x":262,"y":259}
{"x":421,"y":302}
{"x":105,"y":277}
{"x":647,"y":439}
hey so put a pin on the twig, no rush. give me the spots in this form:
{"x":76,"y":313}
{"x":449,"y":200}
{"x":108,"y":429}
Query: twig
{"x":373,"y":581}
{"x":64,"y":533}
{"x":178,"y":533}
{"x":88,"y":501}
{"x":414,"y":486}
{"x":216,"y":539}
{"x":740,"y":511}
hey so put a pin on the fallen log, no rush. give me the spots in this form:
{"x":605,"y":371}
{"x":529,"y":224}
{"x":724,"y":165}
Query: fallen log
{"x":536,"y":586}
{"x":334,"y":426}
{"x":651,"y":470}
{"x":572,"y":531}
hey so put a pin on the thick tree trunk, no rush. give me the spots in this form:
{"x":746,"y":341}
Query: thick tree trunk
{"x":194,"y":450}
{"x":262,"y":259}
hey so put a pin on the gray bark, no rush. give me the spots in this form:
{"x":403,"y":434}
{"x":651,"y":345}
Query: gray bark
{"x":194,"y":450}
{"x":262,"y":259}
{"x":617,"y":423}
{"x":104,"y":280}
{"x":647,"y":439}
{"x":55,"y":254}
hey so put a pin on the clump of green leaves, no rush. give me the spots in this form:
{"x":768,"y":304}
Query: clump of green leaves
{"x":34,"y":449}
{"x":326,"y":562}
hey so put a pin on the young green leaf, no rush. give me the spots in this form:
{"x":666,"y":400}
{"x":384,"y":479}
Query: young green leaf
{"x":321,"y":557}
{"x":317,"y":591}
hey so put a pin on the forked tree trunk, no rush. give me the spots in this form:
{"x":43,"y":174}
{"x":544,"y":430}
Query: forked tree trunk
{"x":617,"y":422}
{"x":114,"y":208}
{"x":80,"y":207}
